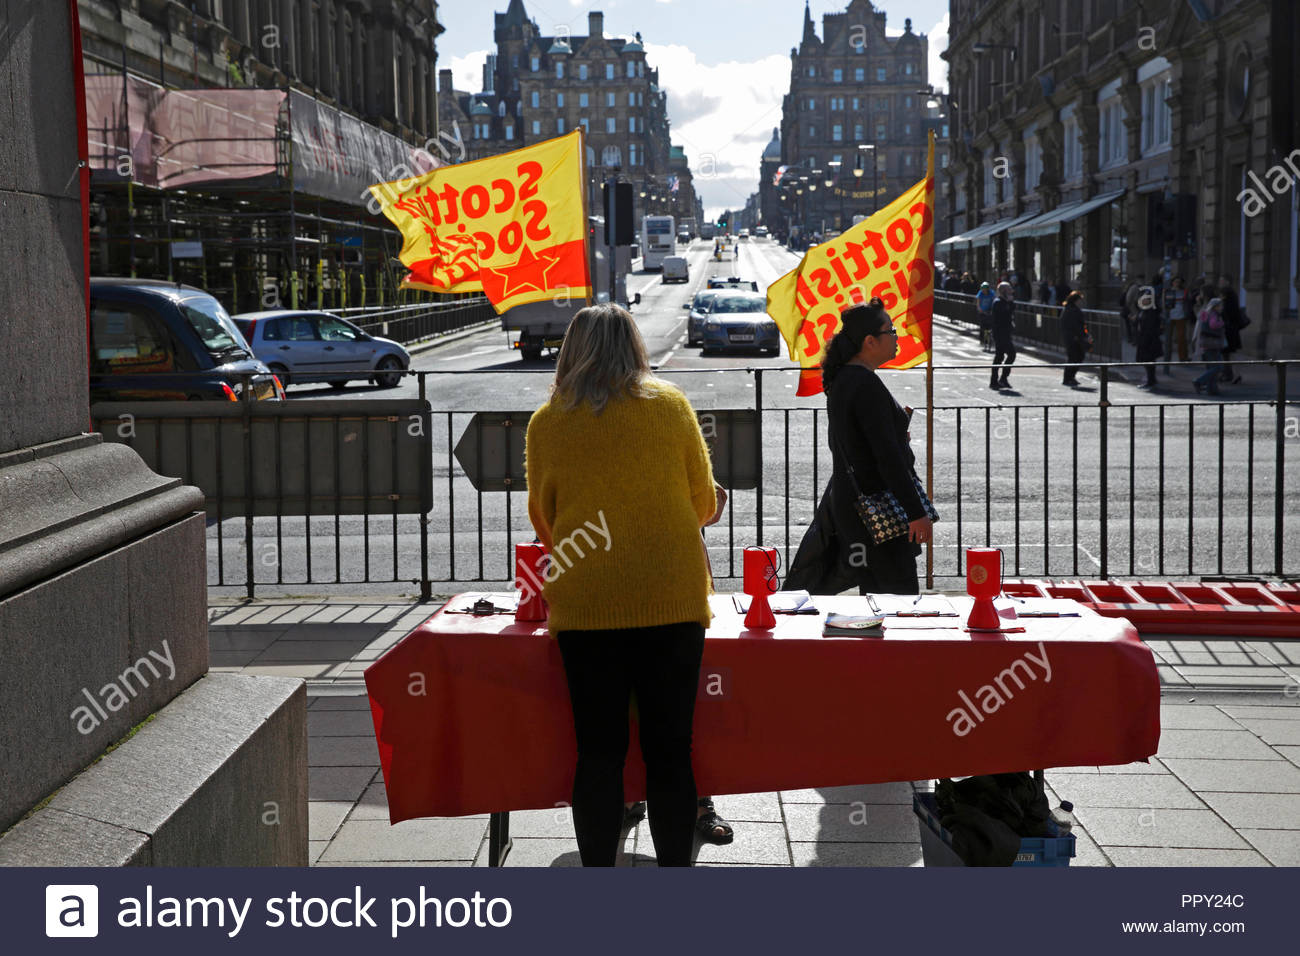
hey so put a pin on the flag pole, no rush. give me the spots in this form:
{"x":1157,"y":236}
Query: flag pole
{"x":929,"y":382}
{"x":590,"y":298}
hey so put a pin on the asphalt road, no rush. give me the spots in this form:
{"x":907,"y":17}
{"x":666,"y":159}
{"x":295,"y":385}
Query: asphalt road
{"x":1021,"y":465}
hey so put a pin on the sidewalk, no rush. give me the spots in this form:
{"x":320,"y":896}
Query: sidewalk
{"x":1224,"y":789}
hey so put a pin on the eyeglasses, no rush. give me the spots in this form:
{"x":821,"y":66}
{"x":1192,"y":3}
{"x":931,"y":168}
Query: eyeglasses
{"x":889,"y":331}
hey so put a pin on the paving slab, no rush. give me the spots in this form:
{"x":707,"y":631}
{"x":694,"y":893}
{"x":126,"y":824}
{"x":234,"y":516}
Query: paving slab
{"x":338,"y":783}
{"x":856,"y":854}
{"x":342,"y":752}
{"x":324,"y":817}
{"x":1233,"y":744}
{"x":1263,"y":811}
{"x":1273,"y":731}
{"x":371,"y":841}
{"x":851,"y":823}
{"x":1280,"y":847}
{"x":340,"y":723}
{"x":1290,"y":753}
{"x":1195,"y":717}
{"x":319,"y":701}
{"x":1114,"y":827}
{"x":1122,"y":790}
{"x":1257,"y":776}
{"x":756,"y":844}
{"x":749,"y":808}
{"x":1182,"y":856}
{"x":864,"y":793}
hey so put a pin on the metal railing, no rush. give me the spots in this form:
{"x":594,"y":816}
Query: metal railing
{"x":412,"y":324}
{"x":1103,"y":489}
{"x":1041,"y":324}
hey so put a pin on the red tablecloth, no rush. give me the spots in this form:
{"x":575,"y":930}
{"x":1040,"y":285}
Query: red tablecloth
{"x":472,"y":713}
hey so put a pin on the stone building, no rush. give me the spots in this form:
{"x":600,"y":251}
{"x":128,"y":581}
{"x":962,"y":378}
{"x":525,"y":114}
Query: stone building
{"x":536,"y":87}
{"x":283,"y":203}
{"x":1098,"y":141}
{"x":857,"y":100}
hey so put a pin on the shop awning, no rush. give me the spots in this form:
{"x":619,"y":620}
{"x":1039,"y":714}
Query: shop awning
{"x":1049,"y":223}
{"x":999,"y":227}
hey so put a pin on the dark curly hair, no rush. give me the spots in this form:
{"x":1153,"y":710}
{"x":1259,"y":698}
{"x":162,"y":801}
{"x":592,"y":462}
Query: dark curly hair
{"x":857,"y":322}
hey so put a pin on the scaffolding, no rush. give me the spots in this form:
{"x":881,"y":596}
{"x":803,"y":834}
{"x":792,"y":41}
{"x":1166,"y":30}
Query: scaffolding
{"x":229,"y":191}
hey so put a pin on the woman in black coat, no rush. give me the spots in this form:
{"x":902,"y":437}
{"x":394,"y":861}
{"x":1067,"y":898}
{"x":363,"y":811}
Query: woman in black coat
{"x":1073,"y":336}
{"x":868,"y":432}
{"x":1004,"y":322}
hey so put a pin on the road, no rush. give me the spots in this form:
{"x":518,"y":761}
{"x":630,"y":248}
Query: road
{"x":1007,"y":466}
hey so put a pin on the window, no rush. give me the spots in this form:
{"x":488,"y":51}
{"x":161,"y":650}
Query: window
{"x":881,"y":74}
{"x":126,"y":339}
{"x":514,"y":61}
{"x":582,"y":71}
{"x":943,"y":160}
{"x":859,"y":75}
{"x":559,"y":101}
{"x":510,"y":131}
{"x":837,"y":75}
{"x":611,"y":156}
{"x":1033,"y":161}
{"x":537,"y":127}
{"x":609,"y":100}
{"x":640,"y":69}
{"x":631,"y":99}
{"x":559,"y":69}
{"x":857,"y":103}
{"x":207,"y":318}
{"x":1156,"y":115}
{"x":837,"y":102}
{"x":536,"y":99}
{"x":812,"y":102}
{"x":882,"y":132}
{"x":990,"y":184}
{"x":837,"y":133}
{"x":812,"y":72}
{"x":909,"y":69}
{"x":336,"y":330}
{"x":907,"y":102}
{"x":907,"y":160}
{"x":812,"y":132}
{"x":882,"y":102}
{"x":633,"y":155}
{"x":631,"y":124}
{"x":1111,"y":138}
{"x":559,"y":125}
{"x":611,"y":125}
{"x":1073,"y":159}
{"x":907,"y":129}
{"x":857,"y":132}
{"x":583,"y":100}
{"x":631,"y":69}
{"x":535,"y":63}
{"x":609,"y":71}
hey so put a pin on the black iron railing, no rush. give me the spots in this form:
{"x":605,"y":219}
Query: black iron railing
{"x":1102,"y":489}
{"x":1040,"y":324}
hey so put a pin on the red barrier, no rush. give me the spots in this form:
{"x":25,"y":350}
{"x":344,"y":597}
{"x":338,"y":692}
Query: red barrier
{"x":1222,"y":609}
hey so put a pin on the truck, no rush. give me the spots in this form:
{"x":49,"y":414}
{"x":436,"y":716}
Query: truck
{"x":541,"y":325}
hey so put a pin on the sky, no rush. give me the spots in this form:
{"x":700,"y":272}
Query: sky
{"x":724,"y":63}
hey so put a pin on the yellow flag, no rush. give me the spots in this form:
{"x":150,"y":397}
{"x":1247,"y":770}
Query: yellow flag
{"x":512,"y":225}
{"x":890,"y":256}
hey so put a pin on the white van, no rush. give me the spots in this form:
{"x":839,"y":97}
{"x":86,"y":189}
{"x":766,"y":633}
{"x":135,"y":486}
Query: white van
{"x":676,"y":270}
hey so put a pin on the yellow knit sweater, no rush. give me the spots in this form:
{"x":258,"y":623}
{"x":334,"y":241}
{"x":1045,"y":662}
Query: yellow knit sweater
{"x":619,"y":499}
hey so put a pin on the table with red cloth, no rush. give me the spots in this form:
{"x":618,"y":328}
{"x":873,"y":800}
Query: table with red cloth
{"x":472,"y":713}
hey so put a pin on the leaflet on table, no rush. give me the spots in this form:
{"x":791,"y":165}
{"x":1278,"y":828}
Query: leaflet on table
{"x":853,"y":625}
{"x":905,"y":605}
{"x":1042,"y":607}
{"x":782,"y":602}
{"x":491,"y":602}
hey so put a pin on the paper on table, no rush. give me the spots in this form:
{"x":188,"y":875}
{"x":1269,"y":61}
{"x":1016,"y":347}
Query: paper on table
{"x":1044,"y":607}
{"x":922,"y":605}
{"x":782,"y":602}
{"x":503,"y":602}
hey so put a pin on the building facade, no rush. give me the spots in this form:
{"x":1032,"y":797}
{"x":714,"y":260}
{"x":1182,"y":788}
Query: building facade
{"x":538,"y":87}
{"x":275,"y":204}
{"x":853,"y":126}
{"x":1099,"y":141}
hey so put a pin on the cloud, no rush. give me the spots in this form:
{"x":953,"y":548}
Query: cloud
{"x":938,"y":66}
{"x":467,"y":71}
{"x":723,"y":116}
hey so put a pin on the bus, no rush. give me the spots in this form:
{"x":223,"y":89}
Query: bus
{"x":658,"y":241}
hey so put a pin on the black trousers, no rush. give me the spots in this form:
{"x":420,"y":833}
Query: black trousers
{"x":890,"y":568}
{"x":1074,"y":355}
{"x":661,"y":665}
{"x":1004,"y":352}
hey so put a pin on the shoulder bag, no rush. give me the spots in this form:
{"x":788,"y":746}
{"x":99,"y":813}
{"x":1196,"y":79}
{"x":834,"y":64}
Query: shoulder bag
{"x":881,"y":512}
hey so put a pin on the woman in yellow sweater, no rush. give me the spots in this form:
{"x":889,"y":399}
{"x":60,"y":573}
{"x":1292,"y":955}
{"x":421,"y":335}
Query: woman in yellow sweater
{"x":619,"y":484}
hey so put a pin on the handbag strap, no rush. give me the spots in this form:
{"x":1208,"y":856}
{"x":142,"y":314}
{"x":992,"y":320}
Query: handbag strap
{"x":848,"y":468}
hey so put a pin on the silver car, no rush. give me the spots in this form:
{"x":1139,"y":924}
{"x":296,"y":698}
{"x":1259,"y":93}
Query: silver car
{"x":306,"y":346}
{"x":699,"y":307}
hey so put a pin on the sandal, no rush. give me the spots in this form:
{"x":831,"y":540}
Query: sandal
{"x":711,"y":827}
{"x":634,"y":814}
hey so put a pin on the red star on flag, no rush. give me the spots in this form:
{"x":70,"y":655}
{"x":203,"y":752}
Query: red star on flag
{"x":529,"y":272}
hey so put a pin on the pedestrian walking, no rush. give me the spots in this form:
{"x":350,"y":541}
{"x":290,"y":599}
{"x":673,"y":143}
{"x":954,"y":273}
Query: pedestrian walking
{"x":984,"y":304}
{"x":1233,"y":323}
{"x":618,"y":452}
{"x":1208,"y":338}
{"x":1075,"y":337}
{"x":1044,"y":291}
{"x":968,"y":284}
{"x":1176,"y":306}
{"x":1003,"y":322}
{"x":1129,"y":307}
{"x":870,"y":454}
{"x":1148,"y":339}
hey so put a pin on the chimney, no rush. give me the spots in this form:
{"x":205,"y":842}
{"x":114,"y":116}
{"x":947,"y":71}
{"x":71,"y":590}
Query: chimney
{"x":595,"y":24}
{"x":444,"y":81}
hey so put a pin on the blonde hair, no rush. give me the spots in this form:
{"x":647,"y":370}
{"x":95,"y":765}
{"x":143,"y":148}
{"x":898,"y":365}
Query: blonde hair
{"x":603,"y":358}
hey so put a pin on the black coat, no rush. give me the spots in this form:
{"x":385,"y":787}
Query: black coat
{"x":1148,"y":338}
{"x":1072,"y":326}
{"x":1231,"y":319}
{"x":1004,"y":321}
